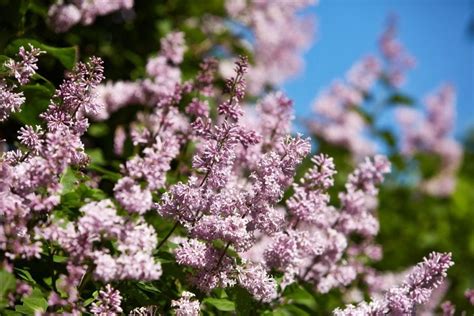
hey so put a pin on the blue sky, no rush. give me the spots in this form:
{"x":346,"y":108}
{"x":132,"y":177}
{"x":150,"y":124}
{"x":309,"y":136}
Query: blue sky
{"x":434,"y":31}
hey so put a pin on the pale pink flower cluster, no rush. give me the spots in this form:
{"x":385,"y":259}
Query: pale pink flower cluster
{"x":338,"y":120}
{"x":63,"y":16}
{"x":30,"y":178}
{"x":469,"y":294}
{"x":425,"y":277}
{"x":341,"y":117}
{"x":25,"y":67}
{"x":216,"y":204}
{"x":318,"y":247}
{"x":431,"y":132}
{"x":277,"y":55}
{"x":22,"y":68}
{"x":108,"y":303}
{"x":398,"y":60}
{"x":231,"y":207}
{"x":135,"y":243}
{"x":161,"y":85}
{"x":185,"y":305}
{"x":159,"y":134}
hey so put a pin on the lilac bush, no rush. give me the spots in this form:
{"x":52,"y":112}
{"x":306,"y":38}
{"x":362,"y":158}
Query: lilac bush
{"x":186,"y":192}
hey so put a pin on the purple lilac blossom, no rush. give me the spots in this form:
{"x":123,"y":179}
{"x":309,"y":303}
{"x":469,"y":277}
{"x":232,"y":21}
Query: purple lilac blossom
{"x":108,"y":302}
{"x":185,"y":306}
{"x":63,"y":16}
{"x":416,"y":289}
{"x":277,"y":57}
{"x":431,"y":133}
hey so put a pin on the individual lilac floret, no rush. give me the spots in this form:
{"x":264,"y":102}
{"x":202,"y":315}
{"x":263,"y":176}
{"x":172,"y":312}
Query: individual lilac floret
{"x":184,"y":306}
{"x":108,"y":302}
{"x":26,"y":67}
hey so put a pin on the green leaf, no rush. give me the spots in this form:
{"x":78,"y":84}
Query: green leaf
{"x":7,"y":282}
{"x":3,"y":60}
{"x":297,"y":294}
{"x":11,"y":313}
{"x":400,"y":99}
{"x":37,"y":100}
{"x":66,"y":55}
{"x":292,"y":310}
{"x":221,"y":304}
{"x":96,"y":155}
{"x":25,"y":275}
{"x":148,"y":287}
{"x":244,"y":301}
{"x":106,"y":174}
{"x":98,"y":129}
{"x":36,"y":303}
{"x":60,"y":259}
{"x":33,"y":303}
{"x":23,"y":310}
{"x":68,"y":181}
{"x":91,"y":299}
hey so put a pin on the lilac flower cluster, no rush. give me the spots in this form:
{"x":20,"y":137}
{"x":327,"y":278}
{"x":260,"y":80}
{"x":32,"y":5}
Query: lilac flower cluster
{"x":26,"y":67}
{"x":162,"y":85}
{"x":63,"y":16}
{"x":318,"y":237}
{"x":22,"y":70}
{"x":240,"y":214}
{"x":397,"y":59}
{"x":337,"y":118}
{"x":31,"y":177}
{"x":276,"y":55}
{"x":416,"y":289}
{"x":158,"y":134}
{"x":216,"y":204}
{"x":469,"y":294}
{"x":308,"y":240}
{"x":432,"y":134}
{"x":185,"y":306}
{"x":135,"y":243}
{"x":108,"y":302}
